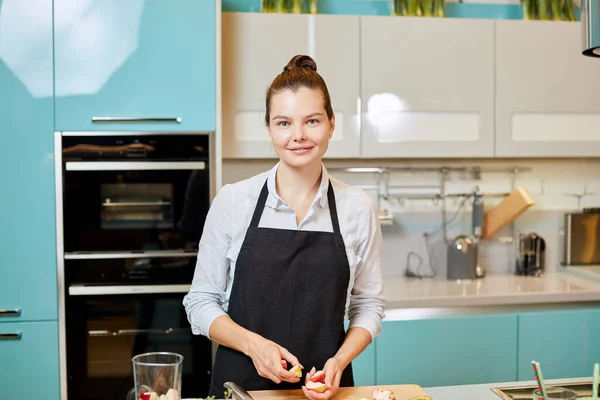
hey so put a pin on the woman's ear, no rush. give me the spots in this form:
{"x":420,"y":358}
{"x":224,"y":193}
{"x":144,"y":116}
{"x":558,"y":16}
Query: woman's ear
{"x":332,"y":123}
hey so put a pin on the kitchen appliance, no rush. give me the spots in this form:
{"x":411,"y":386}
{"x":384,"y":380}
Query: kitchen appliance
{"x":590,"y":25}
{"x":582,"y":238}
{"x":531,"y":258}
{"x":130,"y":208}
{"x":462,"y":258}
{"x":463,"y":251}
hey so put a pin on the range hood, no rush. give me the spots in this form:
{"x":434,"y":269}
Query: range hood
{"x":590,"y":25}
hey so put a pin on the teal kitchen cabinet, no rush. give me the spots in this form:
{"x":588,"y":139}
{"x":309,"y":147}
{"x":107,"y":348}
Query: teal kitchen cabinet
{"x":29,"y":354}
{"x":448,"y":351}
{"x":565,"y":343}
{"x":28,"y":281}
{"x":135,"y":65}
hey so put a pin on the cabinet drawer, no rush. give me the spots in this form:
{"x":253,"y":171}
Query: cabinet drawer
{"x":30,"y":366}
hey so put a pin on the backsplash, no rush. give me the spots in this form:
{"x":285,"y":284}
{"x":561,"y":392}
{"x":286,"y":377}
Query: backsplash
{"x":558,"y":186}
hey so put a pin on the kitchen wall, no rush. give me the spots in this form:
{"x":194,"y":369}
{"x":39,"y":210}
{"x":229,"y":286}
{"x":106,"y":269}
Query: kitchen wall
{"x":557,"y":185}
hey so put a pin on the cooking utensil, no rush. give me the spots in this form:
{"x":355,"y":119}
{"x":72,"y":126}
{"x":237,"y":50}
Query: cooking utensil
{"x":238,"y":391}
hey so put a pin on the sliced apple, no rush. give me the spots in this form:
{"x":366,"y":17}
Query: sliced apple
{"x":283,"y":364}
{"x":319,"y":376}
{"x":296,"y":370}
{"x":383,"y":394}
{"x":172,"y":394}
{"x":319,"y":387}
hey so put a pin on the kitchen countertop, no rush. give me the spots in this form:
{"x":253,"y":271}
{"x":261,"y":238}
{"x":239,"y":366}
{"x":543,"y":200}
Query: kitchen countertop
{"x":492,"y":290}
{"x":483,"y":391}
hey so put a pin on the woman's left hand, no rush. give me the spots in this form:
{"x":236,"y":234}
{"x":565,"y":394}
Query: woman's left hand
{"x":333,"y":373}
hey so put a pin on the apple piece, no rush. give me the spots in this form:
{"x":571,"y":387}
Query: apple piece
{"x":319,"y":376}
{"x":172,"y":394}
{"x":283,"y":364}
{"x":319,"y":387}
{"x":377,"y":394}
{"x":162,"y":397}
{"x":145,"y":396}
{"x":296,"y":370}
{"x":383,"y":394}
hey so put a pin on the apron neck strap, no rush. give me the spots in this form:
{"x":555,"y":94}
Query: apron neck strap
{"x":262,"y":200}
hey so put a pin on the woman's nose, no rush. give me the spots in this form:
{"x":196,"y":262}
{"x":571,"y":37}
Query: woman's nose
{"x":299,"y":133}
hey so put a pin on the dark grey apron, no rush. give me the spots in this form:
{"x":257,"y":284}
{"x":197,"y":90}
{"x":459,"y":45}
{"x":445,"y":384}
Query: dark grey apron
{"x":290,"y":287}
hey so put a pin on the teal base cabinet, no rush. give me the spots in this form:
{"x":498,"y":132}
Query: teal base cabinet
{"x":29,"y":354}
{"x":447,"y":351}
{"x":135,"y":65}
{"x":565,"y":343}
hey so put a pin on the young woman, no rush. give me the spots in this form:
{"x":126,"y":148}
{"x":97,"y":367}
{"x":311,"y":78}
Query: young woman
{"x":285,"y":254}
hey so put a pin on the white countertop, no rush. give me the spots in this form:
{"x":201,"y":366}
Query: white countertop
{"x":492,"y":290}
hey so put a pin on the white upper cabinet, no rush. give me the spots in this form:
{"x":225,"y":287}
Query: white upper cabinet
{"x":547,"y":92}
{"x":427,"y":87}
{"x":256,"y":47}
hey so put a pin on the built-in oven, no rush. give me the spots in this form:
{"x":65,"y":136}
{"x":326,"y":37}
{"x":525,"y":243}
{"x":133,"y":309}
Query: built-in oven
{"x":130,"y":210}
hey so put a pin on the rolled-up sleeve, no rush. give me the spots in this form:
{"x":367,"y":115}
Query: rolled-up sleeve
{"x":204,"y":302}
{"x":366,"y":308}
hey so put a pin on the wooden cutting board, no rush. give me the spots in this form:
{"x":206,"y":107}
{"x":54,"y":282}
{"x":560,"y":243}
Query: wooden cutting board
{"x":402,"y":392}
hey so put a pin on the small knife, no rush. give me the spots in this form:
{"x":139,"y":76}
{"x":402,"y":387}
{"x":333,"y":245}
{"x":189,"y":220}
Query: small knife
{"x":238,"y":391}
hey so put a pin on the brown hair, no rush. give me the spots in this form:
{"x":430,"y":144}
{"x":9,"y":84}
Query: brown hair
{"x":300,"y":71}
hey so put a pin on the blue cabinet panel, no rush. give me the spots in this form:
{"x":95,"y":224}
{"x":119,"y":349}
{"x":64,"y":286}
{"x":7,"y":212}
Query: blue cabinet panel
{"x":565,"y":343}
{"x":448,"y":351}
{"x":28,"y":245}
{"x":30,"y":364}
{"x":135,"y":59}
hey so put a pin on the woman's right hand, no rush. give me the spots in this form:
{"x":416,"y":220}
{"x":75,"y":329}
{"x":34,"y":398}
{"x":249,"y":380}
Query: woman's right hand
{"x":267,"y":355}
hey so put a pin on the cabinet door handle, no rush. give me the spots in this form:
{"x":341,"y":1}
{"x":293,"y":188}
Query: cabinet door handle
{"x":10,"y":313}
{"x":134,"y":119}
{"x":10,"y":336}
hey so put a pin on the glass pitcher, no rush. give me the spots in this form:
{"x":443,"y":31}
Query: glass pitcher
{"x":156,"y":376}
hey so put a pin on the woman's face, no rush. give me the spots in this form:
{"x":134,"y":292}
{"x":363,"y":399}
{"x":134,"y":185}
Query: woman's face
{"x":299,"y":127}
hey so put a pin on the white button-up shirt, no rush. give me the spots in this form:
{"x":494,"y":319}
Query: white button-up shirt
{"x":225,"y":229}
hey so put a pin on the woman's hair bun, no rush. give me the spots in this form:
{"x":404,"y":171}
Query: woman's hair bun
{"x":301,"y":61}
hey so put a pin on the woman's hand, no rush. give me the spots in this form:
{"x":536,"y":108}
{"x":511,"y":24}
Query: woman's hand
{"x":333,"y":373}
{"x":267,"y":355}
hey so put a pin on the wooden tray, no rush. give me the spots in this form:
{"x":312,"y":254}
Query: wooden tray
{"x":402,"y":392}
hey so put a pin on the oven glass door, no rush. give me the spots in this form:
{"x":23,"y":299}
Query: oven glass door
{"x":104,"y":332}
{"x":134,"y":206}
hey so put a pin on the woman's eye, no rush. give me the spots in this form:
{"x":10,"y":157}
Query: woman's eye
{"x":313,"y":121}
{"x":283,"y":123}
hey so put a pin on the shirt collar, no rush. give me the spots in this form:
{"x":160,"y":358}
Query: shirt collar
{"x":274,"y":201}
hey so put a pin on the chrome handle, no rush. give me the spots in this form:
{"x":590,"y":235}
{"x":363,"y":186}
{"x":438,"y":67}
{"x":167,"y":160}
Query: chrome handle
{"x":10,"y":336}
{"x":133,"y":332}
{"x":134,"y":165}
{"x":133,"y":119}
{"x":10,"y":313}
{"x":124,"y":255}
{"x":80,"y":290}
{"x":135,"y":203}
